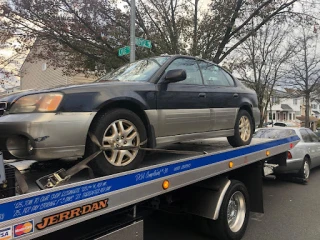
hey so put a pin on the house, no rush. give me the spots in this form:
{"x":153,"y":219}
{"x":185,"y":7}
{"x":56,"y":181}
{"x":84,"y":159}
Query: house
{"x":289,"y":106}
{"x":284,"y":107}
{"x":40,"y":74}
{"x":315,"y":108}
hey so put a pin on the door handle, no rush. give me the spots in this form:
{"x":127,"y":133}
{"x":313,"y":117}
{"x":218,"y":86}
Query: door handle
{"x":235,"y":95}
{"x":202,"y":95}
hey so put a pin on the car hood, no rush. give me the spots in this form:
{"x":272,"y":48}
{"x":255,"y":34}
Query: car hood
{"x":74,"y":87}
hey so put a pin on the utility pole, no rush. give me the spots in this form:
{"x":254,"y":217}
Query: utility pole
{"x":271,"y":110}
{"x":133,"y":31}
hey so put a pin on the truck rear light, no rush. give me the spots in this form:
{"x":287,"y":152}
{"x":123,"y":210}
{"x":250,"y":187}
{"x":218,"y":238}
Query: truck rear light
{"x":289,"y":155}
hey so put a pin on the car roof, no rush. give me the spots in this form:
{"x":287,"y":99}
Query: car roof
{"x":186,"y":56}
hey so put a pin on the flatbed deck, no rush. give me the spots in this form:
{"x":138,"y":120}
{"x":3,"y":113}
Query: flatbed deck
{"x":81,"y":199}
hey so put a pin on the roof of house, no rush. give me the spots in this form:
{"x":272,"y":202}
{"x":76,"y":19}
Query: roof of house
{"x":286,"y":107}
{"x":311,"y":118}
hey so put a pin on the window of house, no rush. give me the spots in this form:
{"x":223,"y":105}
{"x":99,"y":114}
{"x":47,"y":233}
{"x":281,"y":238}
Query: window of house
{"x":293,"y":116}
{"x":274,"y":116}
{"x":290,"y":116}
{"x":275,"y":100}
{"x":278,"y":117}
{"x":270,"y":116}
{"x":295,"y":101}
{"x":44,"y":66}
{"x":284,"y":116}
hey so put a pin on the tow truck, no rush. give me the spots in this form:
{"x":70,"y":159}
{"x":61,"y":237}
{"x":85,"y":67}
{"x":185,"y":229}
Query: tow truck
{"x":206,"y":179}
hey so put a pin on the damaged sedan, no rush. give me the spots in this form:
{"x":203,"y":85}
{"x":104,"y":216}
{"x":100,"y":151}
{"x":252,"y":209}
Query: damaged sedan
{"x":149,"y":103}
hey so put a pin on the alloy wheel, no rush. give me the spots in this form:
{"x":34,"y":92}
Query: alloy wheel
{"x":244,"y":128}
{"x":306,"y":170}
{"x":236,"y":211}
{"x":121,"y":133}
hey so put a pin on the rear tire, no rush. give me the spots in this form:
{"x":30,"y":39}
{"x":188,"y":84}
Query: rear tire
{"x":234,"y":214}
{"x":304,"y":172}
{"x":243,"y":130}
{"x":116,"y":127}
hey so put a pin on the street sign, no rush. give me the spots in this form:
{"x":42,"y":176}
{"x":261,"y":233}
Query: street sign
{"x":143,"y":42}
{"x":124,"y":51}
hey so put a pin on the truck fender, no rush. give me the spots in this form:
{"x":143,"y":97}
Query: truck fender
{"x":207,"y":197}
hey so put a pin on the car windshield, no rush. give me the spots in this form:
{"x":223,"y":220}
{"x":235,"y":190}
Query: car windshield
{"x":141,"y":70}
{"x":274,"y":133}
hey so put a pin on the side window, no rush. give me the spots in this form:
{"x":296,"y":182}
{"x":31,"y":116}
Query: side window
{"x":213,"y":75}
{"x":229,"y":77}
{"x":191,"y":68}
{"x":313,"y":136}
{"x":305,"y":136}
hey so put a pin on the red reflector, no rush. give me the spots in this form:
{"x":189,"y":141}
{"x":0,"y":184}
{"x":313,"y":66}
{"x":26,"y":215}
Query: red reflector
{"x":291,"y":145}
{"x":289,"y":155}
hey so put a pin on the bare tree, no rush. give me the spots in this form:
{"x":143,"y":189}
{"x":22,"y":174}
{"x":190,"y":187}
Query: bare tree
{"x":305,"y":66}
{"x":262,"y":61}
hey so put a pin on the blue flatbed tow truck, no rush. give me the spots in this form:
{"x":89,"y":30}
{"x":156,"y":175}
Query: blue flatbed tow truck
{"x":218,"y":184}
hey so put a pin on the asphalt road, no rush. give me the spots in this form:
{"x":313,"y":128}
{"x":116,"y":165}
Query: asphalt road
{"x":292,"y":212}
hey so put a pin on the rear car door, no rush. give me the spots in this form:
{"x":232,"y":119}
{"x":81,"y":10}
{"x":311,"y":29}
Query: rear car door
{"x":316,"y":147}
{"x":222,"y":95}
{"x":183,"y":107}
{"x":308,"y":144}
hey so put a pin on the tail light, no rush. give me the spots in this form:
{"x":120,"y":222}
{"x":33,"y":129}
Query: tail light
{"x":289,"y":155}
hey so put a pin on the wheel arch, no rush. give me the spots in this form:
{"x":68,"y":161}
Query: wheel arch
{"x":248,"y":107}
{"x":134,"y":106}
{"x":309,"y":159}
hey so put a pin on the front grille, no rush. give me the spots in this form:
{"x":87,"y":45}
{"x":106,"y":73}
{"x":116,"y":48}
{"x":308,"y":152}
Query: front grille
{"x":3,"y":108}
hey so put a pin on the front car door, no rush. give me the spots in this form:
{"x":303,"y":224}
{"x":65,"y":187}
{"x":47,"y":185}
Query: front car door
{"x":222,"y":95}
{"x":183,"y":106}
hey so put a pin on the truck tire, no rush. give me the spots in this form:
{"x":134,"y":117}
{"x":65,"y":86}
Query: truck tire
{"x":234,"y":214}
{"x":243,"y":130}
{"x":116,"y":128}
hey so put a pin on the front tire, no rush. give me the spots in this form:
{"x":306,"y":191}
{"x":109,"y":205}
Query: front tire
{"x":117,"y":128}
{"x":234,"y":214}
{"x":243,"y":130}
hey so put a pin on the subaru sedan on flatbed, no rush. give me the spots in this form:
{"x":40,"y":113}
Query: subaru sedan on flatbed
{"x":149,"y":103}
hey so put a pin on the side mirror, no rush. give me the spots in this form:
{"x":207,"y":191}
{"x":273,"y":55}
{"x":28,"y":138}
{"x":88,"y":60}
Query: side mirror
{"x":175,"y":75}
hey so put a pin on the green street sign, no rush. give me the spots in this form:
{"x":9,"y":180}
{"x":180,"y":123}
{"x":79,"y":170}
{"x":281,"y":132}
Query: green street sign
{"x":143,"y":42}
{"x":124,"y":51}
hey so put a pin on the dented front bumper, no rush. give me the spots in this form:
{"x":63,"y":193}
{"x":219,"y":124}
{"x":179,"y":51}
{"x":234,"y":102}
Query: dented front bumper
{"x":45,"y":136}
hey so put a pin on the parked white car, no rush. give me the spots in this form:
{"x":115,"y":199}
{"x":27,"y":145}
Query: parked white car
{"x":303,"y":157}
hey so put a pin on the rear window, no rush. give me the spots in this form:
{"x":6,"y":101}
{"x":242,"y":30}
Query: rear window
{"x":274,"y":133}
